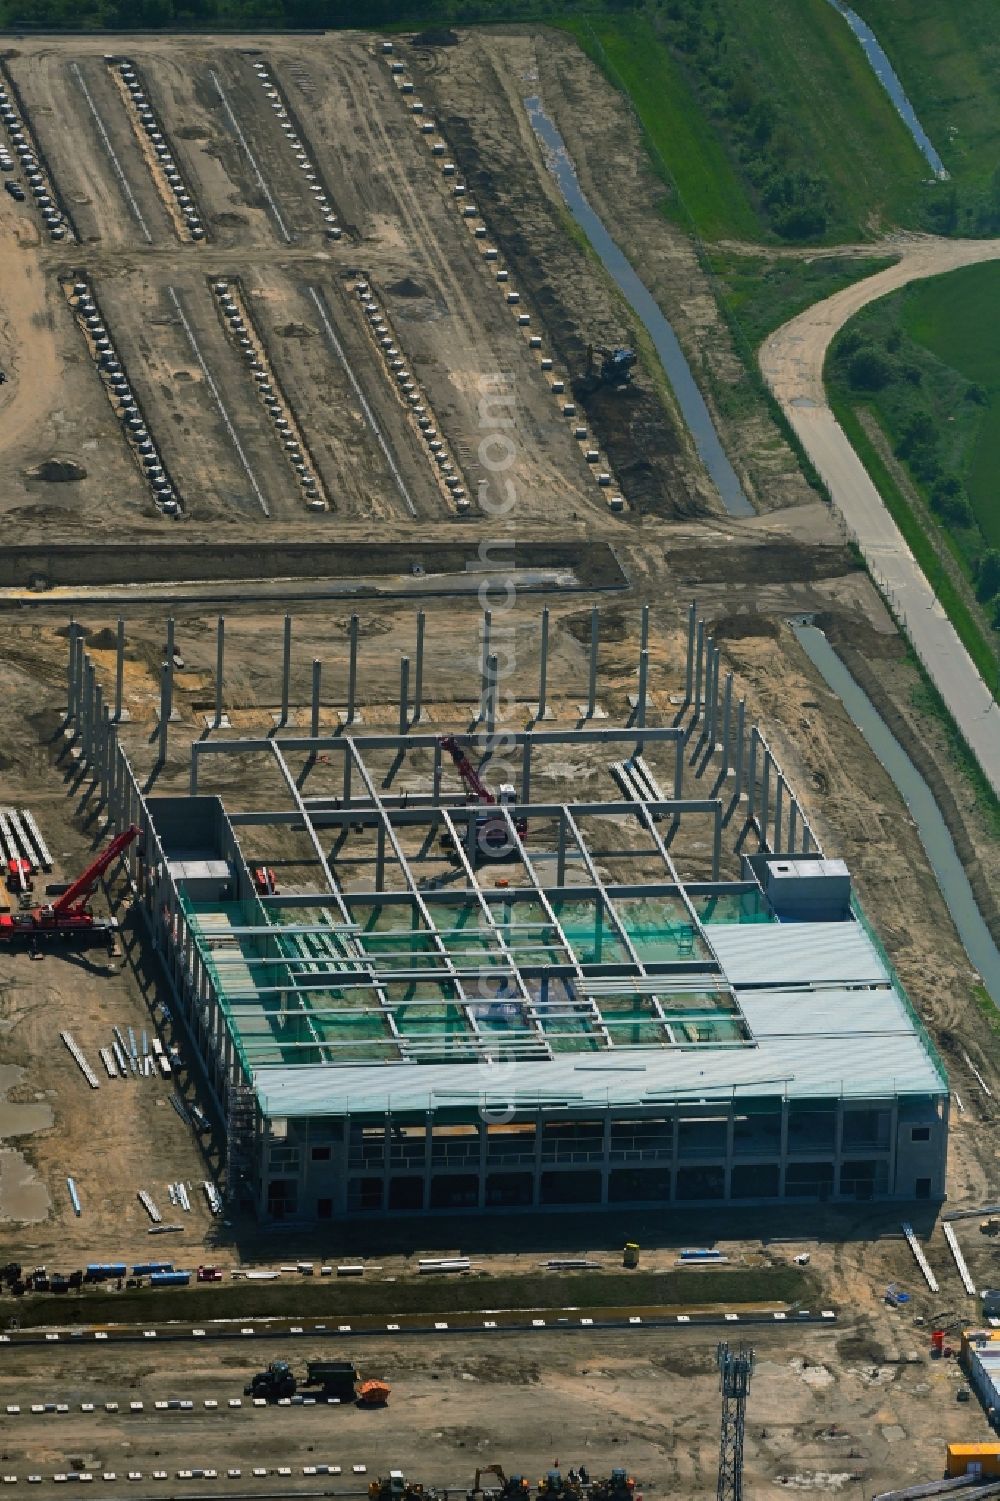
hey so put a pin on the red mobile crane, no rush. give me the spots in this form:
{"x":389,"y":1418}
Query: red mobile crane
{"x":492,"y":834}
{"x":69,"y":919}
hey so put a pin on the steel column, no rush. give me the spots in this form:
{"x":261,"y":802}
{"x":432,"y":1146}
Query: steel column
{"x":779,"y":788}
{"x":741,"y":714}
{"x":727,"y":725}
{"x":765,"y":796}
{"x":542,"y":710}
{"x":165,"y":695}
{"x":418,"y":674}
{"x":404,"y":695}
{"x":752,"y":772}
{"x":595,"y":640}
{"x":96,"y":725}
{"x":491,"y":697}
{"x":640,"y":704}
{"x":70,"y":665}
{"x":317,"y":677}
{"x":286,"y":670}
{"x":352,"y":674}
{"x":220,"y":657}
{"x":526,"y":770}
{"x":121,"y":713}
{"x":486,"y":626}
{"x":689,"y":665}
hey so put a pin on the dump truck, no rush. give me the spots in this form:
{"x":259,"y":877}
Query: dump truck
{"x":339,"y":1379}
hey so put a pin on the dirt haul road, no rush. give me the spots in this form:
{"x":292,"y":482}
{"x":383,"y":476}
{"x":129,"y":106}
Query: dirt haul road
{"x":792,"y":361}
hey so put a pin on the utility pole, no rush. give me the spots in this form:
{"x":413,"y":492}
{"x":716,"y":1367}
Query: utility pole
{"x":735,"y":1370}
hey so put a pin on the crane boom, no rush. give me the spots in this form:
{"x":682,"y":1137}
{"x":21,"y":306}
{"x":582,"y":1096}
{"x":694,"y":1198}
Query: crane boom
{"x":69,"y":919}
{"x":467,"y":771}
{"x":73,"y":901}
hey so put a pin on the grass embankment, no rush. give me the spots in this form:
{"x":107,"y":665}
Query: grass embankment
{"x":954,"y":317}
{"x":763,"y":117}
{"x":763,"y":292}
{"x":311,"y":1299}
{"x":684,"y":145}
{"x":947,"y":57}
{"x":925,"y":364}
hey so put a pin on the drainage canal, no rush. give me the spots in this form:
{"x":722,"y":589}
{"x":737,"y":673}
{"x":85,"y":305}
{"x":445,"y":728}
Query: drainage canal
{"x":689,"y":398}
{"x":885,"y":73}
{"x":917,"y":795}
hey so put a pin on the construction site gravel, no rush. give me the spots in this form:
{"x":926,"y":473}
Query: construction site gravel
{"x":374,"y":514}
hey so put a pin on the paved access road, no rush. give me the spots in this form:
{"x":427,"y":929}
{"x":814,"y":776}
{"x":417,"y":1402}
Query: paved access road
{"x":792,"y":363}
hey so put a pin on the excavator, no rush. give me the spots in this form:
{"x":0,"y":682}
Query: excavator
{"x":493,"y":841}
{"x":508,"y":1490}
{"x":68,"y":919}
{"x":614,"y":371}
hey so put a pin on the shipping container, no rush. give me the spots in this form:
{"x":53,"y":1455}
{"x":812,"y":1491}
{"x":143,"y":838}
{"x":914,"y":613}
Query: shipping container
{"x":977,"y":1459}
{"x":170,"y":1279}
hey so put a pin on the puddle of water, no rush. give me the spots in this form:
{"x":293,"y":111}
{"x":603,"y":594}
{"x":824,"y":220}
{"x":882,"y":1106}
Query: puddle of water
{"x":689,"y":398}
{"x":934,"y":836}
{"x":23,"y":1195}
{"x":19,"y":1120}
{"x":883,"y":70}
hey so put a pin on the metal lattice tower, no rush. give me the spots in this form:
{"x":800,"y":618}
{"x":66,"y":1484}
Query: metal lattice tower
{"x":735,"y":1370}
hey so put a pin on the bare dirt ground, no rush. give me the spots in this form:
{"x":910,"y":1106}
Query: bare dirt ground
{"x":833,"y":1410}
{"x":402,"y":232}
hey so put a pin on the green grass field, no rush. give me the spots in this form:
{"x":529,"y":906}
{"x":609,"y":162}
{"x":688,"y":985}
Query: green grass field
{"x":808,"y":70}
{"x":936,"y":348}
{"x":955,"y":318}
{"x":947,"y":56}
{"x":685,"y":147}
{"x":977,"y":642}
{"x":851,"y":131}
{"x":425,"y":1295}
{"x":763,"y":292}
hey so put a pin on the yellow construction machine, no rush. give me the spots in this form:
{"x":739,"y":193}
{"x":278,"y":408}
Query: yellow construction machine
{"x":394,"y":1487}
{"x":508,"y":1489}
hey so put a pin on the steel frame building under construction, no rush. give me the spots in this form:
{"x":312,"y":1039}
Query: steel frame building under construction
{"x":664,"y":996}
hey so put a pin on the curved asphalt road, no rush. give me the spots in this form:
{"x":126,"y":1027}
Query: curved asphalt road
{"x":791,"y":360}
